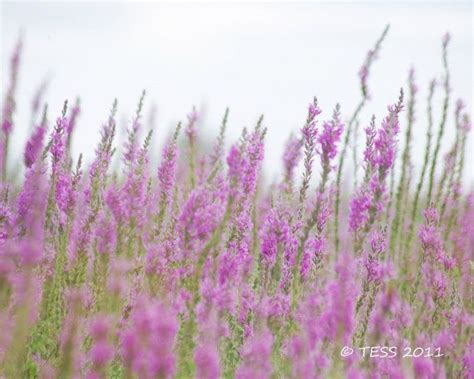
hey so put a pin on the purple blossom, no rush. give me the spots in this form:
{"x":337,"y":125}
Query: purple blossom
{"x":207,"y":362}
{"x":106,"y":238}
{"x":64,"y":192}
{"x":468,"y":361}
{"x":379,"y":156}
{"x":34,"y":145}
{"x":337,"y":320}
{"x":431,"y":240}
{"x":424,"y":367}
{"x":385,"y":142}
{"x":167,"y":169}
{"x":329,"y":136}
{"x":275,"y":231}
{"x":58,"y":144}
{"x":377,"y":269}
{"x":101,"y":351}
{"x":256,"y":357}
{"x":309,"y":130}
{"x":291,"y":156}
{"x":147,"y":345}
{"x":360,"y":205}
{"x":187,"y":268}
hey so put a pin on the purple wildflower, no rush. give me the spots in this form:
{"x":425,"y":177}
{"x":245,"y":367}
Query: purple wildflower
{"x":256,"y":356}
{"x":291,"y":156}
{"x":329,"y":136}
{"x":34,"y":145}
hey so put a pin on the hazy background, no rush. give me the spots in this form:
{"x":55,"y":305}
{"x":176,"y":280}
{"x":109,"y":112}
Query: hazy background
{"x":269,"y":58}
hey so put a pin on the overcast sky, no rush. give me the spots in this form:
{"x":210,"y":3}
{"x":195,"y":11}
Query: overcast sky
{"x":255,"y":58}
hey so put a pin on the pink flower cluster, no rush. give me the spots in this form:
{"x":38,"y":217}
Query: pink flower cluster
{"x":198,"y":267}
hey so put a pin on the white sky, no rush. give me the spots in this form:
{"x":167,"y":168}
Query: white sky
{"x":269,"y":58}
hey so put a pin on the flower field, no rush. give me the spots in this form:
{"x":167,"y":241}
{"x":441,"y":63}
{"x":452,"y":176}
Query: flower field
{"x":199,"y":268}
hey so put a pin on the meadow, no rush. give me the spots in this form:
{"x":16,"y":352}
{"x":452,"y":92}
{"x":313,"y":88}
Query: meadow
{"x":199,"y":268}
